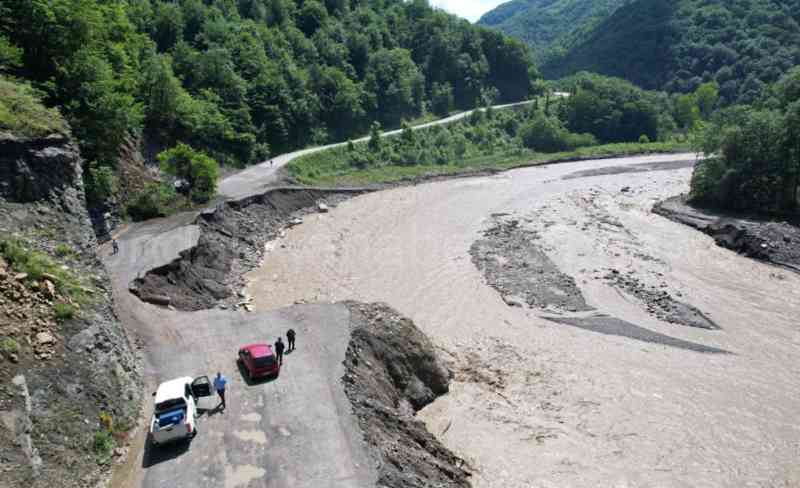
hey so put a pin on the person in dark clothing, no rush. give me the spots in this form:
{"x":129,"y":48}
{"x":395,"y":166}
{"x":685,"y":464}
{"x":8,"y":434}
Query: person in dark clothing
{"x":114,"y":246}
{"x":290,"y":338}
{"x":279,"y":346}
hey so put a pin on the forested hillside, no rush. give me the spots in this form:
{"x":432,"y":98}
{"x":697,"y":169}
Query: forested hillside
{"x":242,"y":79}
{"x":548,"y":26}
{"x":676,"y":45}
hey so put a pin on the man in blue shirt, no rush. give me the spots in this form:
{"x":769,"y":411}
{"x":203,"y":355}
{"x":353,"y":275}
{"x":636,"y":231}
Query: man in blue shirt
{"x":219,"y":385}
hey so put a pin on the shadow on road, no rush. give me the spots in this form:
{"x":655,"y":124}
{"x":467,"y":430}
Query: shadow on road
{"x":158,"y":454}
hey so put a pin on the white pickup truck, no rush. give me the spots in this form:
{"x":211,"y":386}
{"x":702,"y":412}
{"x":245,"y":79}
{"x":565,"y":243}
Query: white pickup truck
{"x":175,"y":412}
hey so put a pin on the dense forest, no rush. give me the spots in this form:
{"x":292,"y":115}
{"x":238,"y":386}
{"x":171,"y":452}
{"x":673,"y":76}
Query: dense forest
{"x":549,"y":26}
{"x":676,"y":45}
{"x":242,"y":79}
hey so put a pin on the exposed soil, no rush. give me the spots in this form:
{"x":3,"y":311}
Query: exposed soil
{"x":232,"y":240}
{"x":776,"y":242}
{"x":521,"y":272}
{"x":391,"y":372}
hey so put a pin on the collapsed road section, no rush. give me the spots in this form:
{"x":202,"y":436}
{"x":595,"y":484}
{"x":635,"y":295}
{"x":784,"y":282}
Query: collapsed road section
{"x":231,"y":242}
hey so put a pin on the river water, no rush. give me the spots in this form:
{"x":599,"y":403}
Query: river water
{"x":538,"y":403}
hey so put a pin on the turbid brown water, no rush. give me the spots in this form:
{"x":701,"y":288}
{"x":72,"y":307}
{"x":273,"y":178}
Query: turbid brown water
{"x":539,"y":403}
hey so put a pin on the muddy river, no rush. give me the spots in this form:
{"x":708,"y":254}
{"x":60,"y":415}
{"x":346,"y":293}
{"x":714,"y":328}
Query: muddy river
{"x":540,"y":403}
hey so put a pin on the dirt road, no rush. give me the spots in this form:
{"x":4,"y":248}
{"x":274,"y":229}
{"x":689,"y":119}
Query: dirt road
{"x":546,"y":404}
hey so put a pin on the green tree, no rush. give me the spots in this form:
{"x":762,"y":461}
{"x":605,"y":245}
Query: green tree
{"x":545,"y":134}
{"x":442,"y":98}
{"x":197,"y":169}
{"x":706,"y":97}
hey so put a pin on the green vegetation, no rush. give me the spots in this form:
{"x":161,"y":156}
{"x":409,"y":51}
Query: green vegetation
{"x":38,"y":265}
{"x":64,"y":250}
{"x":22,"y":112}
{"x":677,"y":45}
{"x":242,"y":79}
{"x":199,"y":171}
{"x":103,"y":446}
{"x":547,"y":26}
{"x":156,"y":200}
{"x":9,"y":346}
{"x":64,"y":311}
{"x":754,"y":161}
{"x":547,"y":130}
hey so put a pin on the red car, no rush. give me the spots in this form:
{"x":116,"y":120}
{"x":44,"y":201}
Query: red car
{"x":259,"y":361}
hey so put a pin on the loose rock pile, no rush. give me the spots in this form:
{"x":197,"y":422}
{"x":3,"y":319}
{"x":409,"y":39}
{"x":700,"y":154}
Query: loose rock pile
{"x":521,"y":272}
{"x":659,"y":302}
{"x":26,"y":314}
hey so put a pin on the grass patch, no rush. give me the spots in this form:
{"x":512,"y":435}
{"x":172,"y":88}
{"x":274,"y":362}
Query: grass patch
{"x":22,"y":112}
{"x":38,"y":266}
{"x":9,"y":346}
{"x":103,"y":446}
{"x":332,"y":167}
{"x":64,"y":251}
{"x":64,"y":311}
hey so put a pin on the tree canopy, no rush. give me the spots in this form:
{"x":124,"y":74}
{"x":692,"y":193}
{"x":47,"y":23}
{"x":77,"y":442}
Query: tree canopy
{"x":678,"y":45}
{"x":239,"y":79}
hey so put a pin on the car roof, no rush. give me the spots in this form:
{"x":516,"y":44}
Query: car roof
{"x":258,"y":350}
{"x":172,"y":389}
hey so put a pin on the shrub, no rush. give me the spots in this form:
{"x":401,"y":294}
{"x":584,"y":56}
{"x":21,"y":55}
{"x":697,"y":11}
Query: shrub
{"x":155,"y":200}
{"x":101,"y":183}
{"x":64,"y":311}
{"x":200,"y":171}
{"x":9,"y":346}
{"x":643,"y":139}
{"x":544,"y":134}
{"x":103,"y":446}
{"x":63,"y":250}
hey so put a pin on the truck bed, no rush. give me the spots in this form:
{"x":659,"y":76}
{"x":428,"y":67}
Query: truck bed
{"x":169,"y":426}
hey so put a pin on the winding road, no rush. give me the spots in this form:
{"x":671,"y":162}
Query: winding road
{"x":534,"y":402}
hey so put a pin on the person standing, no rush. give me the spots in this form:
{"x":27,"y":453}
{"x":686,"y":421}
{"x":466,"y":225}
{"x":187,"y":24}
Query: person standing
{"x":279,"y":346}
{"x":290,"y":337}
{"x":219,"y":385}
{"x":114,"y":246}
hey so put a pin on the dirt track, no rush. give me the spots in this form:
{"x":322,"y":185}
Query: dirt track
{"x":540,"y":403}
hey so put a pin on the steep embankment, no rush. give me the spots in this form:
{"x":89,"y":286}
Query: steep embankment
{"x":392,"y":372}
{"x":773,"y":242}
{"x":69,"y":376}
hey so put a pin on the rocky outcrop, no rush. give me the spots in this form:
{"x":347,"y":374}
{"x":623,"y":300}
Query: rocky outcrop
{"x":391,"y":372}
{"x":47,"y":169}
{"x":60,"y":372}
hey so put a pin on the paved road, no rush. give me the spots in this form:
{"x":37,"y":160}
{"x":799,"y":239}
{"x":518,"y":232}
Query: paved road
{"x":258,"y":177}
{"x":294,"y":431}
